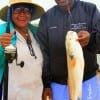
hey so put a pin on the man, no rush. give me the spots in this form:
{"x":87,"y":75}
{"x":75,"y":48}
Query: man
{"x":79,"y":16}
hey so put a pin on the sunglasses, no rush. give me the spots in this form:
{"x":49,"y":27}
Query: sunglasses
{"x":19,"y":10}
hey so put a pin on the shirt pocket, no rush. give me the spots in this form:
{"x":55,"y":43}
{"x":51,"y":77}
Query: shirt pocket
{"x":56,"y":36}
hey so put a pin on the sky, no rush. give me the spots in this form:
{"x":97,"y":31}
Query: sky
{"x":46,"y":4}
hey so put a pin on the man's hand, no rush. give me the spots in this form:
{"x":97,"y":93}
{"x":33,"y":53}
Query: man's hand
{"x":83,"y":38}
{"x":47,"y":94}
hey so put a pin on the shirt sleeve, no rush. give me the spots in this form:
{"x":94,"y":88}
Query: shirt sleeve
{"x":94,"y":44}
{"x":44,"y":44}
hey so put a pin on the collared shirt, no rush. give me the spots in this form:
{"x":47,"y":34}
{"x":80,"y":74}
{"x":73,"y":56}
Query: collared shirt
{"x":27,"y":78}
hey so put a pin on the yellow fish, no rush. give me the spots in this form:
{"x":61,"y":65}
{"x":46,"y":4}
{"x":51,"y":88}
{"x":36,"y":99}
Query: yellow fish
{"x":75,"y":62}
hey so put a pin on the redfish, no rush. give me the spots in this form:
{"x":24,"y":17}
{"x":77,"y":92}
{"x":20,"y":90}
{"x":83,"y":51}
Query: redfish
{"x":75,"y":62}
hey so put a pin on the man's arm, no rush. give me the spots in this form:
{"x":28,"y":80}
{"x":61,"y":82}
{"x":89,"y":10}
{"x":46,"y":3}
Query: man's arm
{"x":44,"y":44}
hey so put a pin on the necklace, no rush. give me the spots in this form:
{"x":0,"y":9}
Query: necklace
{"x":29,"y":44}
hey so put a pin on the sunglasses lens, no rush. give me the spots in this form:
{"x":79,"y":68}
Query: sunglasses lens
{"x":19,"y":10}
{"x":26,"y":10}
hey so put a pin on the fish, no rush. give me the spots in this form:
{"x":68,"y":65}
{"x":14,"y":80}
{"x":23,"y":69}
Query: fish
{"x":98,"y":74}
{"x":75,"y":65}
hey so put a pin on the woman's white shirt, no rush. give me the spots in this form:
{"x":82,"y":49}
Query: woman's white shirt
{"x":24,"y":81}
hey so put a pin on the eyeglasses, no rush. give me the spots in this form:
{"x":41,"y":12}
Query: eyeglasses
{"x":19,"y":10}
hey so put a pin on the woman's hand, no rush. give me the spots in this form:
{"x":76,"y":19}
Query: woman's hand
{"x":5,"y":39}
{"x":47,"y":94}
{"x":83,"y":38}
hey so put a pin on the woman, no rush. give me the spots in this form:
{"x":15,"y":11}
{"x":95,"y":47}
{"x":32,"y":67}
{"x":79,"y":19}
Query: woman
{"x":24,"y":83}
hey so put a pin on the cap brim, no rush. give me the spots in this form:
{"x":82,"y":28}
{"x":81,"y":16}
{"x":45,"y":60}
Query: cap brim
{"x":37,"y":14}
